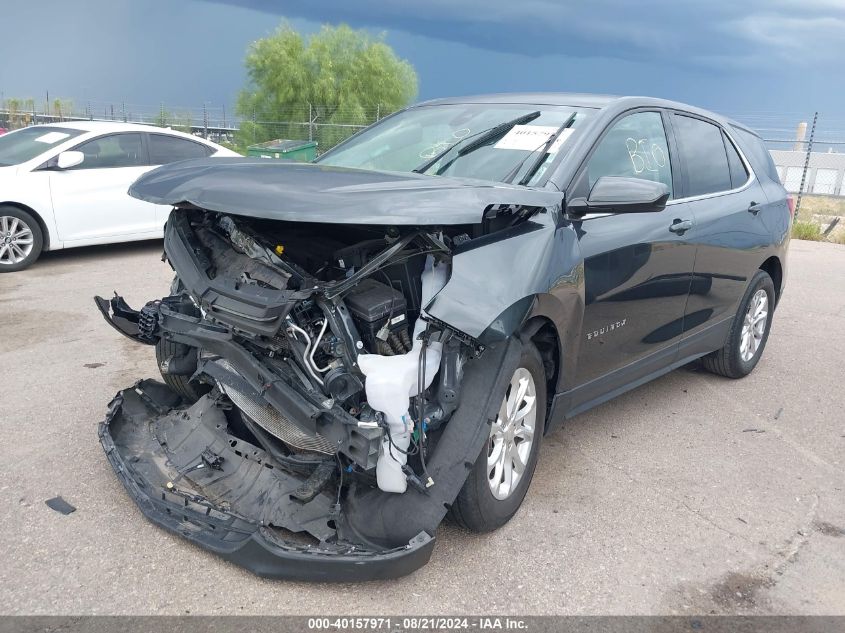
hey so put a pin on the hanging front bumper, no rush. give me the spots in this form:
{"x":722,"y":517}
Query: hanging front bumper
{"x":188,"y":475}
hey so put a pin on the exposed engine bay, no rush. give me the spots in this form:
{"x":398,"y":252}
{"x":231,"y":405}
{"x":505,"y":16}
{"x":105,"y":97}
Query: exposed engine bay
{"x":308,"y":396}
{"x":342,"y":323}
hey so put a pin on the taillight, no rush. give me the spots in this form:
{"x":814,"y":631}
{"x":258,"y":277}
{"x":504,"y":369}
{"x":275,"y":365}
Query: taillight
{"x":790,"y":202}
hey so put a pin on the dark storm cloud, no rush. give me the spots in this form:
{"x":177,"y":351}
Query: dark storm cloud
{"x":720,"y":33}
{"x":758,"y":56}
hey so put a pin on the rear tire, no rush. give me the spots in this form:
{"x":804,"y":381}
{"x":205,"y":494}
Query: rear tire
{"x":486,"y":502}
{"x":21,"y":239}
{"x":749,"y":331}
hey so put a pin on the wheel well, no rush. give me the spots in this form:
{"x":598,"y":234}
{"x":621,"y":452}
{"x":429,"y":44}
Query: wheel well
{"x":773,"y":267}
{"x":542,"y":332}
{"x":45,"y":234}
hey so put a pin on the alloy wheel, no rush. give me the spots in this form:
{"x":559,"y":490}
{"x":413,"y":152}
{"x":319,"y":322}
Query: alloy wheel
{"x":754,"y":325}
{"x":512,"y":435}
{"x":16,"y":240}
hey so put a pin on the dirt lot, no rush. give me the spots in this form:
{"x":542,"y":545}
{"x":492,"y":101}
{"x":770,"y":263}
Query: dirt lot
{"x":693,"y":494}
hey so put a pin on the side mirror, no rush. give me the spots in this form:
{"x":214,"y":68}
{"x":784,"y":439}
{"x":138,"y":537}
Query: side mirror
{"x":69,"y":159}
{"x":615,"y":194}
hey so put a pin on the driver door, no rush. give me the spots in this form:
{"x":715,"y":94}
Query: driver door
{"x":90,"y":200}
{"x":637,"y":266}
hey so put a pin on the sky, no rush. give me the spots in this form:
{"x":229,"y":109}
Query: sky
{"x":770,"y":63}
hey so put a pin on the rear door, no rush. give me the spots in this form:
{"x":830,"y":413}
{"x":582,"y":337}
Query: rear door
{"x":637,"y":266}
{"x":90,"y":201}
{"x":721,"y":194}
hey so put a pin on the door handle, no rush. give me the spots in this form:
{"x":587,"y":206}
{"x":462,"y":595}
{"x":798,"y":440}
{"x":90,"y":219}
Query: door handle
{"x":680,"y":226}
{"x":754,"y":208}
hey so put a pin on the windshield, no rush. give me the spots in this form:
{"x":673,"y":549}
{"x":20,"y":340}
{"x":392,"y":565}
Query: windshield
{"x":410,"y":139}
{"x":27,"y":143}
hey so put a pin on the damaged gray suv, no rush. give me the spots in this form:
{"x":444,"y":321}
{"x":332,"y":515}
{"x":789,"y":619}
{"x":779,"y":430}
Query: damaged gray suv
{"x":354,"y":348}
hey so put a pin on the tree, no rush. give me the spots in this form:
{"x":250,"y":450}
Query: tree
{"x":20,"y":112}
{"x":179,"y":122}
{"x":338,"y":75}
{"x":62,"y":108}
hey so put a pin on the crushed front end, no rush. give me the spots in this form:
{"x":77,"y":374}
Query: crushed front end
{"x":309,"y":424}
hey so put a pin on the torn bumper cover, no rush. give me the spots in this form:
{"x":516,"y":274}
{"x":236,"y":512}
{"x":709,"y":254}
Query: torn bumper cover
{"x":188,"y":475}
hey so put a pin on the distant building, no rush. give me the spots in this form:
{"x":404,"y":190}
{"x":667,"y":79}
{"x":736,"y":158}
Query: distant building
{"x":825,"y":175}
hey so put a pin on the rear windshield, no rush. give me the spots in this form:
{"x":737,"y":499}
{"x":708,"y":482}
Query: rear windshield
{"x":27,"y":143}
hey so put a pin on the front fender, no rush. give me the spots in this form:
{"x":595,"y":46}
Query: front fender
{"x":507,"y":278}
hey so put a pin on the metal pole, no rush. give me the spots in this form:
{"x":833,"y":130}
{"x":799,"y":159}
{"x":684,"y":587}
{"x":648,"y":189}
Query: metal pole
{"x":806,"y":165}
{"x":310,"y":123}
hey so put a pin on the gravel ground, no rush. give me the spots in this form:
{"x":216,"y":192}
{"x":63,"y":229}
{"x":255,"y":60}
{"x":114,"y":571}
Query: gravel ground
{"x":692,"y":494}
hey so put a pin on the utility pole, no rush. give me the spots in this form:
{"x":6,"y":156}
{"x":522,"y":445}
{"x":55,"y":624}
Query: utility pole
{"x":806,"y":165}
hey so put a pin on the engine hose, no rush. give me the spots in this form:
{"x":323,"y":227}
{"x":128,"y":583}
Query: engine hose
{"x":406,"y":339}
{"x":396,"y":344}
{"x":304,"y":359}
{"x":384,"y":349}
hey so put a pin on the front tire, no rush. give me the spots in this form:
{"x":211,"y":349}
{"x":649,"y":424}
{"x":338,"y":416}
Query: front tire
{"x":21,"y":240}
{"x":749,"y":331}
{"x":497,"y":483}
{"x":168,"y":352}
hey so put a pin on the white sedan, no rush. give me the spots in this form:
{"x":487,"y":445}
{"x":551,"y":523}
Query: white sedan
{"x":65,"y":184}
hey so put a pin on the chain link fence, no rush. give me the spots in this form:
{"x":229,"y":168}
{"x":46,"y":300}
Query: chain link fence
{"x":326,"y":125}
{"x":811,"y":166}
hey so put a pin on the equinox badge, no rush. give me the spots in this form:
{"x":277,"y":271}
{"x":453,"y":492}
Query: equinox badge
{"x":606,"y":329}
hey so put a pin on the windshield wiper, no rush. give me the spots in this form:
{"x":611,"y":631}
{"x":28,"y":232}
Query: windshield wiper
{"x":480,"y":139}
{"x":544,"y":151}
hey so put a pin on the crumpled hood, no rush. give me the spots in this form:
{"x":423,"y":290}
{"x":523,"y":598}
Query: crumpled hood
{"x":281,"y":190}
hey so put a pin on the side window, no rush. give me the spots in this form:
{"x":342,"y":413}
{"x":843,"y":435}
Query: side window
{"x":739,"y":175}
{"x":114,"y":150}
{"x":634,"y":147}
{"x":169,"y":149}
{"x":703,"y":153}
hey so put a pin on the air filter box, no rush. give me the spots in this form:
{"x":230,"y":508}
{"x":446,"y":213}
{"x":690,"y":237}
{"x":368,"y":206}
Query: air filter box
{"x":371,"y":303}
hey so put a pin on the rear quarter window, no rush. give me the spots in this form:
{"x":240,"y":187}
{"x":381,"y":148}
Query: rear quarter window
{"x":169,"y":149}
{"x":756,"y":153}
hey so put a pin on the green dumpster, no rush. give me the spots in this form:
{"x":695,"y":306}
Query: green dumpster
{"x":302,"y":151}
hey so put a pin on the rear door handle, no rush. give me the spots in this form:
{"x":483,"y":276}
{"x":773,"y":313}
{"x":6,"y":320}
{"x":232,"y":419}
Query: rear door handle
{"x":754,"y":208}
{"x":680,"y":226}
